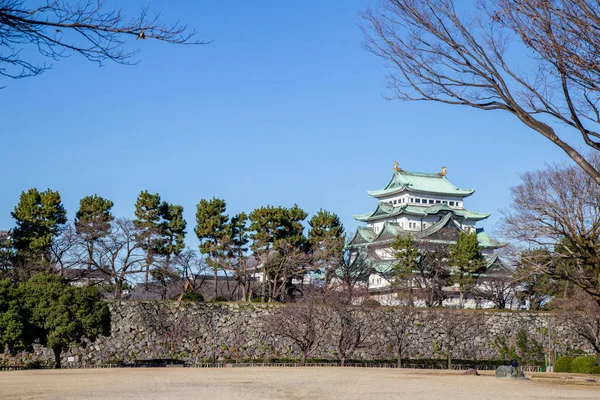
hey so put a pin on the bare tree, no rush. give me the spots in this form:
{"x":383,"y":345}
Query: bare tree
{"x":193,"y":269}
{"x":558,"y":209}
{"x":582,"y":313}
{"x":354,"y":330}
{"x":62,"y":248}
{"x":284,"y":264}
{"x":58,"y":28}
{"x":395,"y":325}
{"x":439,"y":52}
{"x":305,"y":323}
{"x":498,"y":288}
{"x":352,"y":273}
{"x":118,"y":255}
{"x":456,"y":328}
{"x":432,"y":273}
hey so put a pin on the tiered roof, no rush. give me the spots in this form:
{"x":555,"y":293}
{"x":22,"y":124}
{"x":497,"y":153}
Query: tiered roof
{"x":365,"y":236}
{"x":420,"y":182}
{"x":446,"y":230}
{"x":385,"y":210}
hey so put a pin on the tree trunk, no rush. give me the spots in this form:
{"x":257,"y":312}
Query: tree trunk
{"x":303,"y":359}
{"x":399,"y":358}
{"x":411,"y":302}
{"x":461,"y":299}
{"x":598,"y":358}
{"x":244,"y":291}
{"x":215,"y":276}
{"x":117,"y":291}
{"x":449,"y":356}
{"x":342,"y":361}
{"x":57,"y":351}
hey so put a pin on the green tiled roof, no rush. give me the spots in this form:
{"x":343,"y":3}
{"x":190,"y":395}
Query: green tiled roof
{"x":493,"y":264}
{"x":486,"y":241}
{"x":363,"y":235}
{"x":420,"y":182}
{"x":385,"y":210}
{"x":392,"y":230}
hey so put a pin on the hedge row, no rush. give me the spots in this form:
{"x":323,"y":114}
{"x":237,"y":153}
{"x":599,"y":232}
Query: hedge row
{"x":579,"y":365}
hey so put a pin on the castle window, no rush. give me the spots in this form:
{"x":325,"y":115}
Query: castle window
{"x":437,"y":202}
{"x":445,"y":202}
{"x":431,"y":201}
{"x":417,"y":200}
{"x":451,"y":203}
{"x":395,"y":201}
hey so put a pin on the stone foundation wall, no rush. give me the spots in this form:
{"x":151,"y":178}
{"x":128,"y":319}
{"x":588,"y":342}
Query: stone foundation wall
{"x":201,"y":332}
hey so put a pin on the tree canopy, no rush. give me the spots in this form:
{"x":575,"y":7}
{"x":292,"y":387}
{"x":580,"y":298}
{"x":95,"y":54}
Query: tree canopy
{"x":557,"y":209}
{"x":38,"y":217}
{"x":536,"y":60}
{"x":47,"y":310}
{"x":466,"y":260}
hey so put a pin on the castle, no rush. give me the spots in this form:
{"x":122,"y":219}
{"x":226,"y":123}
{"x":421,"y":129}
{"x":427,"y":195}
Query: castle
{"x":432,"y":210}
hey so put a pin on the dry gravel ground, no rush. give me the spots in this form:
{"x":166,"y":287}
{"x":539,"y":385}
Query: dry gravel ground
{"x":285,"y":383}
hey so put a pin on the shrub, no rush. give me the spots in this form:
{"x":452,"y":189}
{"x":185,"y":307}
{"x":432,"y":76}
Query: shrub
{"x":583,"y":364}
{"x":563,"y":364}
{"x":197,"y":297}
{"x":220,"y":299}
{"x":371,"y":303}
{"x":595,"y":370}
{"x":37,"y":364}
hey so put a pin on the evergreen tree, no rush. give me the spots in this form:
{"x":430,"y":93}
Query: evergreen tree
{"x":212,"y":231}
{"x":92,"y":220}
{"x":14,"y":327}
{"x":38,"y":217}
{"x":148,"y":214}
{"x":467,"y":260}
{"x":172,"y":232}
{"x":6,"y":258}
{"x":238,"y":247}
{"x":277,"y":228}
{"x":326,"y":237}
{"x":93,"y":217}
{"x":407,"y":256}
{"x":61,"y":314}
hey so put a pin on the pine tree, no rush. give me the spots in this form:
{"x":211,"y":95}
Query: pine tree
{"x":406,"y":255}
{"x":93,"y":217}
{"x":92,"y":220}
{"x":326,"y":237}
{"x":38,"y":217}
{"x":148,"y":214}
{"x":238,"y":247}
{"x":277,"y":228}
{"x":467,"y":260}
{"x":212,"y":231}
{"x":172,"y":232}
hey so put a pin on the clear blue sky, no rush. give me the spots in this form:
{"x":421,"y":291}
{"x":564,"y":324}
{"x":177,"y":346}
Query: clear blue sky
{"x":283,"y":107}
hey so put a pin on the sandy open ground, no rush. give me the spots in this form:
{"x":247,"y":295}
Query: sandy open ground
{"x":284,"y":383}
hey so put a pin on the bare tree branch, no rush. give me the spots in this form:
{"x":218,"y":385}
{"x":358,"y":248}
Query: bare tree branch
{"x":59,"y":28}
{"x":436,"y":52}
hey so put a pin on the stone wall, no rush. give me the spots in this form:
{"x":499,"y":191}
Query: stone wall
{"x":201,"y":332}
